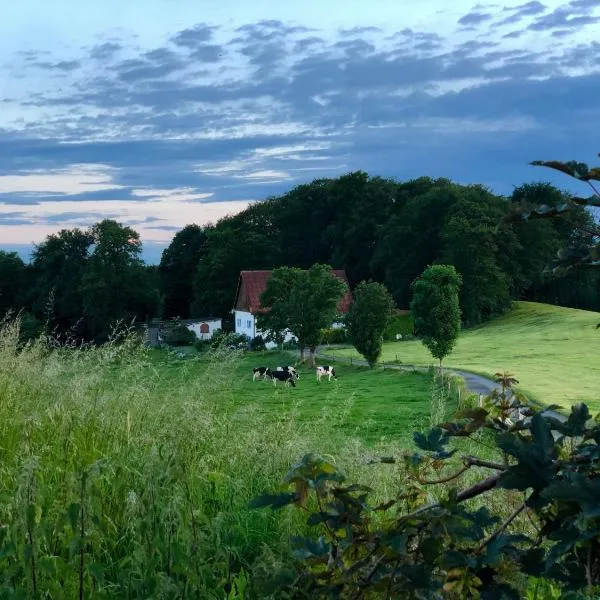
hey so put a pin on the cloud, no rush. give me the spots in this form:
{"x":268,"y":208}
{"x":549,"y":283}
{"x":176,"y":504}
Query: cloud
{"x":195,"y":36}
{"x":573,"y":15}
{"x":105,"y":51}
{"x":529,"y":9}
{"x":62,"y":65}
{"x":82,"y":178}
{"x":474,"y":18}
{"x":198,"y":126}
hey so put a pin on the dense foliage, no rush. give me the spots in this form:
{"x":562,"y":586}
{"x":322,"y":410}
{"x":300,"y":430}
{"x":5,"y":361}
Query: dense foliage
{"x":435,"y":309}
{"x":456,"y":547}
{"x":303,"y":302}
{"x":369,"y":315}
{"x":81,"y":283}
{"x":374,"y":228}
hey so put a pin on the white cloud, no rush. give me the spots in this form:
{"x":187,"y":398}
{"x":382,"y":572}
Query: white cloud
{"x":77,"y":179}
{"x":186,"y":194}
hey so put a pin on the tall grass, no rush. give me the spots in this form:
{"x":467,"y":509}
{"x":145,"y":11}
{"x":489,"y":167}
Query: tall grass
{"x":119,"y":482}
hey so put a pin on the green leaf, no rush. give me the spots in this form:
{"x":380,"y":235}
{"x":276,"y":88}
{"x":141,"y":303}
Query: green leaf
{"x":272,"y":500}
{"x":305,"y":548}
{"x":434,"y":441}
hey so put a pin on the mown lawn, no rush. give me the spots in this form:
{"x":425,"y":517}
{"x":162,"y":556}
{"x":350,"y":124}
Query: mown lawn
{"x":372,"y":405}
{"x":553,"y":351}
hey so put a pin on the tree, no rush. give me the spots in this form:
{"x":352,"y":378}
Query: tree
{"x":369,"y":315}
{"x":303,"y":302}
{"x":116,"y":285}
{"x":177,"y":269}
{"x":435,"y":309}
{"x":58,"y":266}
{"x":12,"y":282}
{"x":527,"y":512}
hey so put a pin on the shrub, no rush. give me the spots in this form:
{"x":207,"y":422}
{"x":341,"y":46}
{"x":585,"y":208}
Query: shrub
{"x":229,"y":339}
{"x":412,"y":547}
{"x":334,"y":335}
{"x":258,"y":343}
{"x":400,"y":324}
{"x":179,"y":335}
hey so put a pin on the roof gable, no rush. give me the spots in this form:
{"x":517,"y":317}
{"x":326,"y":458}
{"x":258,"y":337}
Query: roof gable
{"x":252,"y":284}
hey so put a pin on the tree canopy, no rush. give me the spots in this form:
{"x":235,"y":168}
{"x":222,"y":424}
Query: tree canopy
{"x":369,"y":315}
{"x":303,"y":302}
{"x":435,"y":309}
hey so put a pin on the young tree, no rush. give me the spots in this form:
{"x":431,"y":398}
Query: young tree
{"x":304,"y":302}
{"x":369,"y":315}
{"x":435,"y":309}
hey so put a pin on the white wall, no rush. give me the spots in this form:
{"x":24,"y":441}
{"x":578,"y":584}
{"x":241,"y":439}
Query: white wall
{"x":213,"y":325}
{"x":244,"y":322}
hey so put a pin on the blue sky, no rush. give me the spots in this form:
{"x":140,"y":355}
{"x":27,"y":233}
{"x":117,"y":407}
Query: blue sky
{"x":160,"y":113}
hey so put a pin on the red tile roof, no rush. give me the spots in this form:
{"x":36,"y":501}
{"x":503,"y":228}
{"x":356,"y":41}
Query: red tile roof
{"x":253,"y":283}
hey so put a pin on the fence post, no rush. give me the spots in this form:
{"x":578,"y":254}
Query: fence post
{"x":350,"y":361}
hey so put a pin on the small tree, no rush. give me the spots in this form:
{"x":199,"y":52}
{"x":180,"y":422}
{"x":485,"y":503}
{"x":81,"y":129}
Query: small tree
{"x":304,"y":302}
{"x":368,"y":318}
{"x":435,"y":309}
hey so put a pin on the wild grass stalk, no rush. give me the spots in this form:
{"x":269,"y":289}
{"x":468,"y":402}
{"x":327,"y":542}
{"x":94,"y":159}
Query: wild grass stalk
{"x":120,"y":478}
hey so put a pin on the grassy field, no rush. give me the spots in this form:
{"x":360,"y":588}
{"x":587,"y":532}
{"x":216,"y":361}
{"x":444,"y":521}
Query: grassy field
{"x":127,"y":474}
{"x":371,"y":405}
{"x":553,"y":351}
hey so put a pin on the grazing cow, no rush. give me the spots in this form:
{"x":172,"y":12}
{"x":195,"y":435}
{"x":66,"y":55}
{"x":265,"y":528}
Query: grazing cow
{"x":291,"y":370}
{"x":329,"y":371}
{"x":284,"y":376}
{"x":263,"y":372}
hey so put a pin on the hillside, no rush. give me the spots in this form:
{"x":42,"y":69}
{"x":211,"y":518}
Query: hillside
{"x":553,"y":351}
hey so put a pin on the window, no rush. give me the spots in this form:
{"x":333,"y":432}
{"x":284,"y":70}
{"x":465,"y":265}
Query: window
{"x":249,"y":324}
{"x":239,"y":322}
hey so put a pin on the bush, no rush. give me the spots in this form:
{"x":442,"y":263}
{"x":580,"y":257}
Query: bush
{"x":258,"y":343}
{"x":545,"y":473}
{"x":229,"y":339}
{"x":400,"y":324}
{"x":179,"y":335}
{"x":202,"y":345}
{"x":334,"y":336}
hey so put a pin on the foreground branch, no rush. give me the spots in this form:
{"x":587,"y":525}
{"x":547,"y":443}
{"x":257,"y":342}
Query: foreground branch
{"x":479,"y":488}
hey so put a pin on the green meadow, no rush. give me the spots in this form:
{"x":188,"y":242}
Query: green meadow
{"x":127,"y":474}
{"x":553,"y":351}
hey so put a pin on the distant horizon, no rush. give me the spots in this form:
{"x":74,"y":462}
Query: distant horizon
{"x":162,"y":114}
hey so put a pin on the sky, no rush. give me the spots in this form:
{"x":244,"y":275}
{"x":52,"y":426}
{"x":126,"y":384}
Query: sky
{"x":161,"y":113}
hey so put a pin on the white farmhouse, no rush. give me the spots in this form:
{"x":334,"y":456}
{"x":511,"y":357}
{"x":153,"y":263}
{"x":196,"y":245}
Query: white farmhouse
{"x":247,"y":306}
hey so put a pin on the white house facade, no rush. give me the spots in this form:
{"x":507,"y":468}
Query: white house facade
{"x":247,"y":304}
{"x":203,"y":328}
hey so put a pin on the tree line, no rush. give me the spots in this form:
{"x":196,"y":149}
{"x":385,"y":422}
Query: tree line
{"x":82,"y":281}
{"x":387,"y":231}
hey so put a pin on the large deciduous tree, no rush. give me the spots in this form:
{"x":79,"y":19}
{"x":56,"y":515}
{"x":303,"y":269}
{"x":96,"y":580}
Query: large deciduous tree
{"x":177,"y":270}
{"x":12,"y":282}
{"x":116,"y":285}
{"x":57,"y":271}
{"x":435,"y":309}
{"x":302,"y":301}
{"x":369,"y":315}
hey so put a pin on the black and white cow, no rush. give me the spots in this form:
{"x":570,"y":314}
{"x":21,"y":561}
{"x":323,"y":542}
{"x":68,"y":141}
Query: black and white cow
{"x":284,"y":376}
{"x":263,"y":372}
{"x":329,"y":371}
{"x":291,"y":370}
